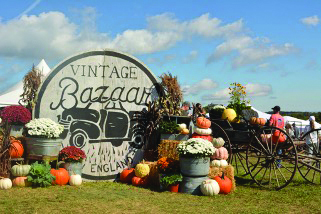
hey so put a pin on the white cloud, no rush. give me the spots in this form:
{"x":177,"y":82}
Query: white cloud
{"x":249,"y":50}
{"x":190,"y":57}
{"x":219,"y":95}
{"x":311,"y":20}
{"x":257,"y":89}
{"x":203,"y":85}
{"x":161,"y":61}
{"x":51,"y":35}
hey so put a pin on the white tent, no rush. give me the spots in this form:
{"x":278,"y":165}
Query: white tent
{"x":12,"y":95}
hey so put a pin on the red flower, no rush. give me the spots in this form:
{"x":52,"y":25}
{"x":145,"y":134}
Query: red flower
{"x":72,"y":154}
{"x":17,"y":115}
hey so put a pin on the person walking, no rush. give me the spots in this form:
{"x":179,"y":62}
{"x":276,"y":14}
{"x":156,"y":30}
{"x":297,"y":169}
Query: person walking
{"x":312,"y":140}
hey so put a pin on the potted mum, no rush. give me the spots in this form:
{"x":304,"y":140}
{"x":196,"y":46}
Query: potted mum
{"x":43,"y":137}
{"x":73,"y":157}
{"x":17,"y":117}
{"x":170,"y":176}
{"x":194,"y":156}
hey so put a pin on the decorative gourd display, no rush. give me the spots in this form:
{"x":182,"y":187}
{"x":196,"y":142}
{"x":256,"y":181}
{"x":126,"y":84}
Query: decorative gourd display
{"x":137,"y":181}
{"x":210,"y":187}
{"x":62,"y":176}
{"x":257,"y":121}
{"x":220,"y":153}
{"x":203,"y":131}
{"x":229,"y":114}
{"x":218,"y":142}
{"x":16,"y":149}
{"x":21,"y":182}
{"x":20,"y":170}
{"x":5,"y":183}
{"x":126,"y":175}
{"x":278,"y":137}
{"x":142,"y":170}
{"x":75,"y":180}
{"x":203,"y":123}
{"x":219,"y":163}
{"x":205,"y":137}
{"x":225,"y":184}
{"x":182,"y":126}
{"x":185,"y":131}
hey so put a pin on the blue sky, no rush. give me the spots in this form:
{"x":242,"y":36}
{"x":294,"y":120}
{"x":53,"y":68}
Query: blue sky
{"x":272,"y":47}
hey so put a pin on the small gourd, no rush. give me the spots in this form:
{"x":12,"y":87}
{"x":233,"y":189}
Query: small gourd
{"x":142,"y":170}
{"x":182,"y":126}
{"x":221,"y":154}
{"x":210,"y":187}
{"x":229,"y":114}
{"x":75,"y":180}
{"x":201,"y":131}
{"x":218,"y":142}
{"x":203,"y":123}
{"x":219,"y":163}
{"x":20,"y":170}
{"x":185,"y":131}
{"x":5,"y":183}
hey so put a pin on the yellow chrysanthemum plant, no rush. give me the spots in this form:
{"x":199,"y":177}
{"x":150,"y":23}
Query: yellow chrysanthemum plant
{"x":238,"y":100}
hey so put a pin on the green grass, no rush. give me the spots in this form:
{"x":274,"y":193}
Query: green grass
{"x":109,"y":197}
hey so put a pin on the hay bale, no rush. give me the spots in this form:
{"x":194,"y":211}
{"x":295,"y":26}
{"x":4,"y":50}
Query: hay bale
{"x":228,"y":172}
{"x":167,"y":148}
{"x":153,"y":176}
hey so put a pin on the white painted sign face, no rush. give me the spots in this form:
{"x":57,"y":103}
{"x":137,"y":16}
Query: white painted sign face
{"x":94,"y":96}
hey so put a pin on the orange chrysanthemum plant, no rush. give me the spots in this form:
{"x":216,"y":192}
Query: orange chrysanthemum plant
{"x":167,"y":165}
{"x":238,"y":100}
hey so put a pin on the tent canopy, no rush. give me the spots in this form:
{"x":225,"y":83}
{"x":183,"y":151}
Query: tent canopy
{"x":12,"y":95}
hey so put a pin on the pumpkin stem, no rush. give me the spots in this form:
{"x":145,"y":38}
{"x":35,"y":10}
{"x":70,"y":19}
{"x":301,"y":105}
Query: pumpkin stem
{"x":222,"y":175}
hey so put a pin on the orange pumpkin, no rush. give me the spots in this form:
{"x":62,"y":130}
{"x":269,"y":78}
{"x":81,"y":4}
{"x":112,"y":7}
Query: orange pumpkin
{"x":202,"y":122}
{"x":185,"y":131}
{"x":278,"y":137}
{"x":62,"y":176}
{"x":206,"y":137}
{"x":137,"y":181}
{"x":16,"y":149}
{"x":225,"y":184}
{"x":253,"y":120}
{"x":260,"y":121}
{"x":126,"y":175}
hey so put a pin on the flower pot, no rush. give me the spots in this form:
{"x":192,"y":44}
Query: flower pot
{"x":16,"y":131}
{"x":43,"y":146}
{"x":173,"y":188}
{"x":194,"y":167}
{"x":73,"y":168}
{"x":192,"y":185}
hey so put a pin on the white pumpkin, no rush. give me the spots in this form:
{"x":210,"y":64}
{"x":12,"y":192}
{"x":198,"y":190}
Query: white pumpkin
{"x":210,"y":187}
{"x":218,"y":142}
{"x":75,"y":180}
{"x":5,"y":183}
{"x":201,"y":131}
{"x":20,"y":170}
{"x":219,"y":163}
{"x":182,"y":126}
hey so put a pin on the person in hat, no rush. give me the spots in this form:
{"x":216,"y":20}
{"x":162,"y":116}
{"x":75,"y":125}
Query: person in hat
{"x":276,"y":119}
{"x":311,"y":140}
{"x":186,"y":109}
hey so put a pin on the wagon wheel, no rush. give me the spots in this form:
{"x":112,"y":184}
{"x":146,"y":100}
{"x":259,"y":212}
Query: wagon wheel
{"x":309,"y":157}
{"x":275,"y":158}
{"x":238,"y":159}
{"x":218,"y":131}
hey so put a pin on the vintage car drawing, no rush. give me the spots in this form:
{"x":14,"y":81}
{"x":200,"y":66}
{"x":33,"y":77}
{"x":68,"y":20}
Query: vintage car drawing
{"x":106,"y":125}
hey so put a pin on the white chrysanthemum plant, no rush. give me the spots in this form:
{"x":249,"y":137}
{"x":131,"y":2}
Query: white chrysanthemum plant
{"x":44,"y":128}
{"x":196,"y":147}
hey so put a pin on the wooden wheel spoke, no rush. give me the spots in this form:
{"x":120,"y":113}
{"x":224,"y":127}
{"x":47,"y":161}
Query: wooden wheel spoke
{"x":281,"y":174}
{"x":276,"y":177}
{"x":242,"y":163}
{"x":263,"y":175}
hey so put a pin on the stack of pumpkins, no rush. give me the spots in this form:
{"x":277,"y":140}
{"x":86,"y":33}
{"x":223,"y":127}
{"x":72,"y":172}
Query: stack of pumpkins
{"x":20,"y":172}
{"x":203,"y":129}
{"x":221,"y":154}
{"x":137,"y":176}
